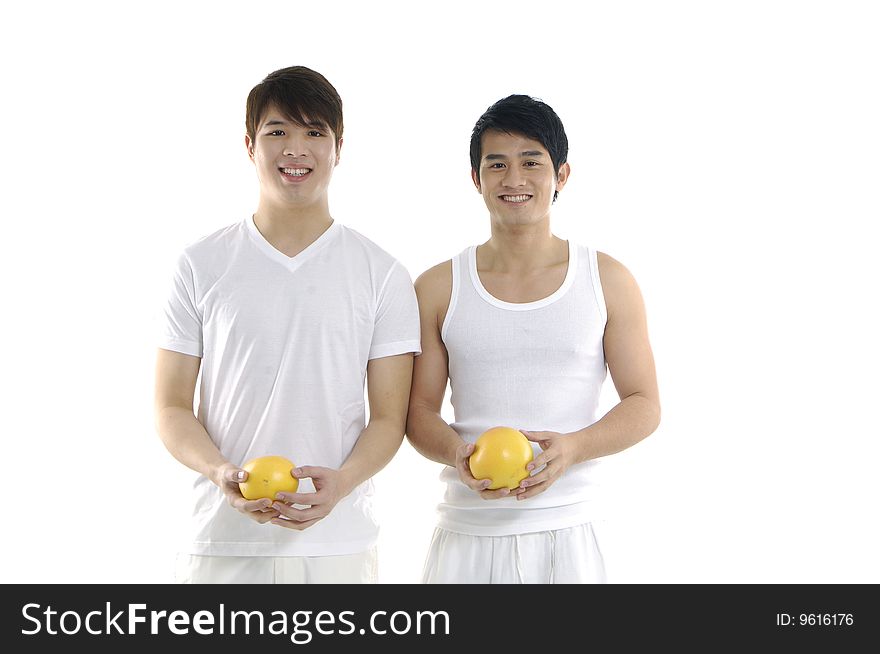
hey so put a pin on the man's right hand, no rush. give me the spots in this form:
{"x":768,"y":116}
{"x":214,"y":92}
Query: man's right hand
{"x":479,"y":485}
{"x":228,"y":477}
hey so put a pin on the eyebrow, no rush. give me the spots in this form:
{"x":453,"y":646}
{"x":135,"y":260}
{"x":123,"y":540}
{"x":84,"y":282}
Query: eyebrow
{"x":319,"y":125}
{"x":524,"y":153}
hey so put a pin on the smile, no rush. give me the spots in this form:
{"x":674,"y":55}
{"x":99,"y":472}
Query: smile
{"x":516,"y":199}
{"x":295,"y":172}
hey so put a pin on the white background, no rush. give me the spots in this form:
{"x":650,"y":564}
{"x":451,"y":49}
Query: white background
{"x":727,"y":153}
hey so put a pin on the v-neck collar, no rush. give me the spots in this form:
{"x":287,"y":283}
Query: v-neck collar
{"x":294,"y":262}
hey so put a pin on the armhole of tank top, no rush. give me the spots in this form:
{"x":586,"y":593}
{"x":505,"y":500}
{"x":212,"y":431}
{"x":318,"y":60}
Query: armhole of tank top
{"x":453,"y":296}
{"x":593,"y":257}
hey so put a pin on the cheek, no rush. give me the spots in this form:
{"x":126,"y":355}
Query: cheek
{"x":264,"y":167}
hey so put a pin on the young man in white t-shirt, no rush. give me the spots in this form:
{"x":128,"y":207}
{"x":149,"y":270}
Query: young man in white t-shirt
{"x":285,"y":313}
{"x":523,"y":327}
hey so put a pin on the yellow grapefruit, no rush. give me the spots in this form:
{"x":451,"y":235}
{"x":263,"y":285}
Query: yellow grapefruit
{"x":268,"y":475}
{"x":501,"y":455}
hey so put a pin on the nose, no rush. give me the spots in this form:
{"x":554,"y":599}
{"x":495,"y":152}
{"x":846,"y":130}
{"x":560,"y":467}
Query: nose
{"x":513,"y":177}
{"x":295,"y":146}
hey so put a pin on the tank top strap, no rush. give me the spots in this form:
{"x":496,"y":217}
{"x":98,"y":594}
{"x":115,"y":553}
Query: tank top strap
{"x":459,"y":284}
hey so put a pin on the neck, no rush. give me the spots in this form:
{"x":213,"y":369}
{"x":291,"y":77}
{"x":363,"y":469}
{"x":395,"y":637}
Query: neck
{"x":522,"y":248}
{"x":292,"y":224}
{"x":290,"y":230}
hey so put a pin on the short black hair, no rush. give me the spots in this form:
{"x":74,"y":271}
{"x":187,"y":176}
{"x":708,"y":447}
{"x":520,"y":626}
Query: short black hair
{"x":298,"y":92}
{"x":522,"y":114}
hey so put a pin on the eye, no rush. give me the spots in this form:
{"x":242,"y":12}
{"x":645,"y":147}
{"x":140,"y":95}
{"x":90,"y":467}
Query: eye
{"x":277,"y":132}
{"x":532,"y":164}
{"x":497,"y":165}
{"x":314,"y":132}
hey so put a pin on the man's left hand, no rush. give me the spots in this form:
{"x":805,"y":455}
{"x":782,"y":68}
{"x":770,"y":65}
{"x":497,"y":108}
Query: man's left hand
{"x":556,"y":457}
{"x":328,"y":491}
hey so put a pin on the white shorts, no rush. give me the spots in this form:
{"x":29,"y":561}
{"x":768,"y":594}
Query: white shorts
{"x":563,"y":556}
{"x":342,"y":569}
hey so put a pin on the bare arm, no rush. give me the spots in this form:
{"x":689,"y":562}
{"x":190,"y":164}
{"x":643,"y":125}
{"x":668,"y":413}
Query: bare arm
{"x":388,"y":386}
{"x":185,"y":437}
{"x":180,"y":431}
{"x":429,"y":434}
{"x":631,"y":364}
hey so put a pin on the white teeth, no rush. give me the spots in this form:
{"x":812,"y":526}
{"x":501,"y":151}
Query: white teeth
{"x":296,"y":172}
{"x":515,"y":198}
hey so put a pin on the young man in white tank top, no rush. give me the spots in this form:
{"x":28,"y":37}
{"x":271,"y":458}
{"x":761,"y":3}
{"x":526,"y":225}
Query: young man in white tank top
{"x":523,"y":328}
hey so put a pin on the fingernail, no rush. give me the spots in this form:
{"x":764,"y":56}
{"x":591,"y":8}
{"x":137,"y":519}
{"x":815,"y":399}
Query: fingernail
{"x":531,"y":466}
{"x":239,"y":475}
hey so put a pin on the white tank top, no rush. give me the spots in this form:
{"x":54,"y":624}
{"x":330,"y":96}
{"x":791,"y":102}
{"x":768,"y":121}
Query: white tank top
{"x":537,"y":366}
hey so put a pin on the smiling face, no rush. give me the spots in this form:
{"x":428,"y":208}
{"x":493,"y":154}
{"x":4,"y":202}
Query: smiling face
{"x":516,"y":178}
{"x":294,"y":162}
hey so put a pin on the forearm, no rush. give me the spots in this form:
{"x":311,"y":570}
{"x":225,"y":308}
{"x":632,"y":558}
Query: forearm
{"x":629,"y":422}
{"x":375,"y":447}
{"x":431,"y":436}
{"x":187,"y":441}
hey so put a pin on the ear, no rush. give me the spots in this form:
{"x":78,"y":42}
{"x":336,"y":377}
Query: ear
{"x":562,"y":177}
{"x":475,"y":177}
{"x":338,"y":150}
{"x":250,"y":146}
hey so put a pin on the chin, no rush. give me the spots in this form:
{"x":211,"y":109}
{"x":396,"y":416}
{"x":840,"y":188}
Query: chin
{"x":518,"y":220}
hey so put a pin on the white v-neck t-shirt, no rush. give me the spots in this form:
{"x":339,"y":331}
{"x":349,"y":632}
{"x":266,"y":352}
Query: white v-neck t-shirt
{"x":284,"y":343}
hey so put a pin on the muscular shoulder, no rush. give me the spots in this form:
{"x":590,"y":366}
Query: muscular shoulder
{"x":434,"y":288}
{"x":611,"y":270}
{"x":618,"y":284}
{"x":435,"y":282}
